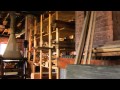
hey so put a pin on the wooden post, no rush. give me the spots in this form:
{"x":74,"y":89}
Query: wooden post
{"x":50,"y":51}
{"x":34,"y":51}
{"x":26,"y":34}
{"x":82,"y":39}
{"x":41,"y":42}
{"x":88,"y":38}
{"x":30,"y":27}
{"x":30,"y":45}
{"x":25,"y":48}
{"x":57,"y":48}
{"x":92,"y":36}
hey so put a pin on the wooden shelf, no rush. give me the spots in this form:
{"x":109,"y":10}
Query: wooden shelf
{"x":43,"y":48}
{"x":11,"y":70}
{"x":63,"y":32}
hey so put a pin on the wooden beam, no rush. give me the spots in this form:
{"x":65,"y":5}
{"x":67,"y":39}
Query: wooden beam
{"x":106,"y":50}
{"x":5,"y":19}
{"x":82,"y":39}
{"x":43,"y":48}
{"x":109,"y":46}
{"x":108,"y":54}
{"x":57,"y":48}
{"x":30,"y":45}
{"x":62,"y":33}
{"x":35,"y":43}
{"x":88,"y":38}
{"x":60,"y":24}
{"x":92,"y":37}
{"x":41,"y":42}
{"x":50,"y":44}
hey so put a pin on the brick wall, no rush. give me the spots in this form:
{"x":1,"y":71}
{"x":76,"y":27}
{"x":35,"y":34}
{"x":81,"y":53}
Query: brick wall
{"x":103,"y":29}
{"x":4,"y":40}
{"x":79,"y":17}
{"x":116,"y":25}
{"x":107,"y":30}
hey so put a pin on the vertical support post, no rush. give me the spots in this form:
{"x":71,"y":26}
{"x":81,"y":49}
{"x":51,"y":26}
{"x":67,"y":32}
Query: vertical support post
{"x":35,"y":43}
{"x":57,"y":48}
{"x":25,"y":48}
{"x":41,"y":43}
{"x":50,"y":51}
{"x":30,"y":45}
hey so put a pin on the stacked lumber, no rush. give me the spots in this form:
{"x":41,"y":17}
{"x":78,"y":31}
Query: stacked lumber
{"x":108,"y":49}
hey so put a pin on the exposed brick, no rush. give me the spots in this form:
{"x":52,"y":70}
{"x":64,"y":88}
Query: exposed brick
{"x":79,"y":22}
{"x":103,"y":28}
{"x":107,"y":29}
{"x":116,"y":25}
{"x":4,"y":40}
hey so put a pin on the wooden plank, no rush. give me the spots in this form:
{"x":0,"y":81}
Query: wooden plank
{"x":61,"y":24}
{"x":63,"y":32}
{"x":57,"y":48}
{"x":88,"y":38}
{"x":53,"y":67}
{"x":11,"y":70}
{"x":108,"y":54}
{"x":35,"y":43}
{"x":66,"y":15}
{"x":43,"y":48}
{"x":30,"y":45}
{"x":82,"y":39}
{"x":41,"y":42}
{"x":92,"y":37}
{"x":106,"y":50}
{"x":108,"y":46}
{"x":50,"y":44}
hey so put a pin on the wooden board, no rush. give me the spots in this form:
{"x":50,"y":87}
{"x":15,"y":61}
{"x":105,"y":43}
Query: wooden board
{"x":63,"y":32}
{"x":108,"y":54}
{"x":107,"y":50}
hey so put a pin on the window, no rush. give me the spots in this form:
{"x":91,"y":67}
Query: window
{"x":2,"y":48}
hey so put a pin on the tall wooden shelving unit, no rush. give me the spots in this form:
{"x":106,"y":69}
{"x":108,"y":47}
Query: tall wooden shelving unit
{"x":49,"y":34}
{"x":49,"y":63}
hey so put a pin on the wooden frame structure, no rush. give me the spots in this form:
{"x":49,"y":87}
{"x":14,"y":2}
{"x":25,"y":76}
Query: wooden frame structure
{"x":49,"y":64}
{"x":50,"y":30}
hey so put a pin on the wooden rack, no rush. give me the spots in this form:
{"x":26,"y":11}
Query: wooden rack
{"x":49,"y":63}
{"x":46,"y":33}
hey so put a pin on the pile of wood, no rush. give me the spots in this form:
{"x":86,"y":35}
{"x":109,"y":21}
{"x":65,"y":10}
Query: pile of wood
{"x":108,"y":49}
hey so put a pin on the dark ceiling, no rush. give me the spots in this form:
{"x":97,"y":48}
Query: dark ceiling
{"x":65,"y":18}
{"x":20,"y":17}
